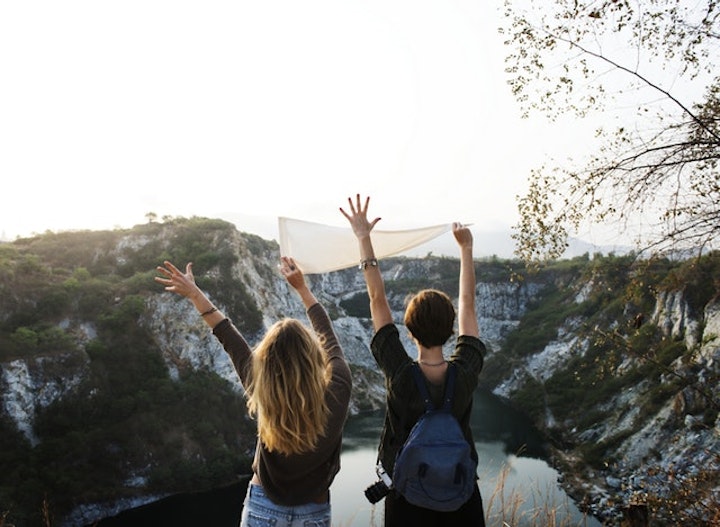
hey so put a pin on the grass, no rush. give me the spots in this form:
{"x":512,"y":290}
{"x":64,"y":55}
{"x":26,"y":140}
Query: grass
{"x":505,"y":508}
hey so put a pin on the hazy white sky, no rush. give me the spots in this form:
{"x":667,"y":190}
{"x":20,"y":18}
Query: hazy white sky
{"x":111,"y":110}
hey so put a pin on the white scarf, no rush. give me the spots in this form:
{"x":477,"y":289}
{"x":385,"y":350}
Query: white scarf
{"x":319,"y":248}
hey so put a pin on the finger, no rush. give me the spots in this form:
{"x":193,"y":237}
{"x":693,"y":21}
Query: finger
{"x":286,"y":265}
{"x":171,"y":267}
{"x":367,"y":203}
{"x":162,"y":270}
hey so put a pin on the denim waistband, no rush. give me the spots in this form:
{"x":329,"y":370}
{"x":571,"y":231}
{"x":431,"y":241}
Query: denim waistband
{"x":261,"y":500}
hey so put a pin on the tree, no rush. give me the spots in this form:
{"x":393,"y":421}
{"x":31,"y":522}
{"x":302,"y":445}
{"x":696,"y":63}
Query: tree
{"x":652,"y":63}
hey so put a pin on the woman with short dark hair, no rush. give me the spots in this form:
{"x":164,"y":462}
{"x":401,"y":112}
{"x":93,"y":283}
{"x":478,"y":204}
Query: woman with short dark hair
{"x":429,"y":317}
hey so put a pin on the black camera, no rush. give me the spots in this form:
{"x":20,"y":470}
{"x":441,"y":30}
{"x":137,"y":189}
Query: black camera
{"x":380,"y":488}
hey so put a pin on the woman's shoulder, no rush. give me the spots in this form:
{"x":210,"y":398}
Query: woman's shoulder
{"x":471,"y":341}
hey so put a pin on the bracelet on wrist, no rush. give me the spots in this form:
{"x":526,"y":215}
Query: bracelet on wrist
{"x":370,"y":262}
{"x":209,"y":311}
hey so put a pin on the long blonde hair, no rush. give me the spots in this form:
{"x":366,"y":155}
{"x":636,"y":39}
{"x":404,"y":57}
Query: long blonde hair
{"x":287,"y":393}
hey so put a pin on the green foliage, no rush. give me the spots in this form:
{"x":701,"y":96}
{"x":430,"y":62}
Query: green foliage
{"x":41,"y":339}
{"x":95,"y":296}
{"x":539,"y":327}
{"x":234,"y":294}
{"x":530,"y":398}
{"x":127,"y":415}
{"x":699,"y":278}
{"x":25,"y":338}
{"x":585,"y":382}
{"x":642,"y":289}
{"x":357,"y":306}
{"x":257,"y":246}
{"x":596,"y":454}
{"x":67,"y":250}
{"x":125,"y":313}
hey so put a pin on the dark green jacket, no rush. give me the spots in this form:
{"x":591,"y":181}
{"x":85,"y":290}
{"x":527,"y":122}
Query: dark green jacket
{"x":404,"y":404}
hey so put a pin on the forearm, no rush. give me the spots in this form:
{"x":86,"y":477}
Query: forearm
{"x":371,"y":271}
{"x":379,"y":306}
{"x":184,"y":285}
{"x":210,"y":314}
{"x":236,"y":347}
{"x":323,"y":327}
{"x":467,"y":316}
{"x":306,"y":296}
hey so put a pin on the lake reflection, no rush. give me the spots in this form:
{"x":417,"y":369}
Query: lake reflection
{"x":521,"y":490}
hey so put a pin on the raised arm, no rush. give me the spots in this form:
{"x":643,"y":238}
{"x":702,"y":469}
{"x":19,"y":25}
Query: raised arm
{"x":184,"y":285}
{"x":467,"y":317}
{"x":361,"y":226}
{"x":296,"y":279}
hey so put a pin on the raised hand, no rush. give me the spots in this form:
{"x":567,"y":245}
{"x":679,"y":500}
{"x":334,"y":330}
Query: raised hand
{"x":291,"y":272}
{"x":462,"y":234}
{"x":357,"y":217}
{"x":176,"y":281}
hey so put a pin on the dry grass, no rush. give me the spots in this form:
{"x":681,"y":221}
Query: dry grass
{"x":503,"y":509}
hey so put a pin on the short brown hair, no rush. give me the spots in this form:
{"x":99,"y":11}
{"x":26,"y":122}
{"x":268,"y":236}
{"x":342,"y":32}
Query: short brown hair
{"x":430,"y":317}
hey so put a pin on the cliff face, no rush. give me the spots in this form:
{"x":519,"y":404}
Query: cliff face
{"x":185,"y":342}
{"x":658,"y":436}
{"x":645,"y":427}
{"x":29,"y":385}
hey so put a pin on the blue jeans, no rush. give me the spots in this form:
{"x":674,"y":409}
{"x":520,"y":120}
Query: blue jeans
{"x":259,"y":511}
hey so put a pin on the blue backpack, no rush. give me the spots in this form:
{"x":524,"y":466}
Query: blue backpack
{"x":434,"y":468}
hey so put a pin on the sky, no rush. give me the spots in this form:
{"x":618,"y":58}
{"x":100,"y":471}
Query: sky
{"x":247,"y":110}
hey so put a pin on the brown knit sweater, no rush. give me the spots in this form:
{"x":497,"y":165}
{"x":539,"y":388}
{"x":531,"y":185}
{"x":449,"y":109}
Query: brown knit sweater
{"x":299,"y":478}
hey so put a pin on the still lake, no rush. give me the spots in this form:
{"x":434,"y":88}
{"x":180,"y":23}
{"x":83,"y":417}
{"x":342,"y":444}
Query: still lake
{"x":516,"y":483}
{"x":518,"y":487}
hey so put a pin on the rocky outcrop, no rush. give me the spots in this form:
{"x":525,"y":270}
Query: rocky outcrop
{"x":29,"y":385}
{"x":185,"y":342}
{"x":674,"y":445}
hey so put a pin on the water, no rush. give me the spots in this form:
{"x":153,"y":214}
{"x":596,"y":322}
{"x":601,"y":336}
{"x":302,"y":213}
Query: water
{"x":517,"y":485}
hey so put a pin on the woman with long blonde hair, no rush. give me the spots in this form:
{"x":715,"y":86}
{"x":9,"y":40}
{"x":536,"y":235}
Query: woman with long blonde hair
{"x":298,"y":388}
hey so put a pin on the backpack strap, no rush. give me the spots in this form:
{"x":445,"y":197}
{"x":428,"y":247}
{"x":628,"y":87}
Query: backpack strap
{"x":449,"y":394}
{"x":449,"y":387}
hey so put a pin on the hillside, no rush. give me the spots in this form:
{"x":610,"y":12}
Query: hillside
{"x":114,"y":392}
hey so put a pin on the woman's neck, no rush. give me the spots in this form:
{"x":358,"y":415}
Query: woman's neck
{"x":431,"y":357}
